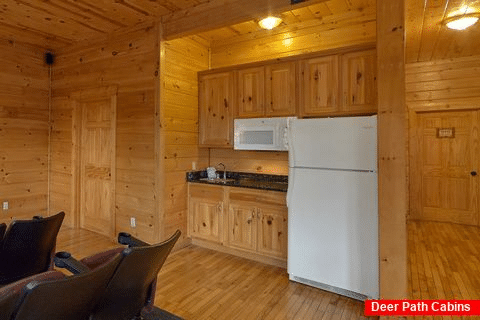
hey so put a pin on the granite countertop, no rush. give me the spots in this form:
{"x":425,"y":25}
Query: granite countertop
{"x":242,"y":180}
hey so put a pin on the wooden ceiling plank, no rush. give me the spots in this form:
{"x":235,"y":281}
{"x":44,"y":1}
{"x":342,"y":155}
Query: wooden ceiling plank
{"x":303,"y":14}
{"x":415,"y":12}
{"x":113,"y":9}
{"x":246,"y":27}
{"x":334,"y":21}
{"x":154,"y":8}
{"x":216,"y":14}
{"x":38,"y":19}
{"x":337,"y":6}
{"x":455,"y":43}
{"x":65,"y":10}
{"x":434,"y":13}
{"x":288,"y":18}
{"x":33,"y":37}
{"x":320,"y":10}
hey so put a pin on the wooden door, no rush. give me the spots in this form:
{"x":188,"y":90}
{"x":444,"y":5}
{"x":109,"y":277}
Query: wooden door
{"x":445,"y":184}
{"x":272,"y":231}
{"x":242,"y":226}
{"x":251,"y":92}
{"x":97,"y":161}
{"x":216,"y":110}
{"x":359,"y":82}
{"x":319,"y":87}
{"x":280,"y":89}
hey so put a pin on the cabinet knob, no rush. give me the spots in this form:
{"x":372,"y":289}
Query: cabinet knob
{"x":473,"y":173}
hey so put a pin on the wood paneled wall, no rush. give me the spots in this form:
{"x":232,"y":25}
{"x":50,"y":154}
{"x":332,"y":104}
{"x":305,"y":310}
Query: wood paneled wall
{"x":128,"y":61}
{"x":336,"y":31}
{"x":451,"y":84}
{"x":24,"y":108}
{"x":268,"y":162}
{"x":181,"y":59}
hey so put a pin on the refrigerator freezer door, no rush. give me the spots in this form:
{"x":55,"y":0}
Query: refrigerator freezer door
{"x":333,"y":229}
{"x":335,"y":143}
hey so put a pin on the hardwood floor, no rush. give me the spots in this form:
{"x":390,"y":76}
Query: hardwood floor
{"x":197,"y":283}
{"x":443,"y":262}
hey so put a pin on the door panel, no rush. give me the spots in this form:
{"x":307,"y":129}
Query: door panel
{"x":206,"y":219}
{"x":447,"y":145}
{"x":272,"y":231}
{"x":242,"y":226}
{"x":97,"y":163}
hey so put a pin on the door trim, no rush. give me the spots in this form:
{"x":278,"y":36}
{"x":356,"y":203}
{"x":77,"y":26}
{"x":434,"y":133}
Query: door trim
{"x":76,"y":99}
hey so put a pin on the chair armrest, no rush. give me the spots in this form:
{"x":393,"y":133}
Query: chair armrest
{"x":127,"y":239}
{"x":65,"y":260}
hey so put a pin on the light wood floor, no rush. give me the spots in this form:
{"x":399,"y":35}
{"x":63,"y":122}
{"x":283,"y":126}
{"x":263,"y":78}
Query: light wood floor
{"x":443,"y":262}
{"x":197,"y":283}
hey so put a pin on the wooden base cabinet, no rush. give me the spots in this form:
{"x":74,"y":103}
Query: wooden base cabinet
{"x":258,"y":221}
{"x":245,"y":222}
{"x":205,"y":219}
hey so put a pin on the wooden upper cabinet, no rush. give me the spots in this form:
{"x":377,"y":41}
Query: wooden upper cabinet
{"x":216,"y":109}
{"x":281,"y":89}
{"x":359,"y":83}
{"x":319,"y":86}
{"x":251,"y":92}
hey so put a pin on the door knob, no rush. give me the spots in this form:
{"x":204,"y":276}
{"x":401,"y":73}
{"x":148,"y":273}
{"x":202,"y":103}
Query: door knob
{"x":473,"y":173}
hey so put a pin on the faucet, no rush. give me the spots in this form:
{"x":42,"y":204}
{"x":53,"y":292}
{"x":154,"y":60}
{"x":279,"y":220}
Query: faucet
{"x":224,"y":170}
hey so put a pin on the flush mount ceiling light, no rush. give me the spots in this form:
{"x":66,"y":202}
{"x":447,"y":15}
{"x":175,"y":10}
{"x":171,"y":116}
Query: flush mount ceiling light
{"x":462,"y":19}
{"x":269,"y":22}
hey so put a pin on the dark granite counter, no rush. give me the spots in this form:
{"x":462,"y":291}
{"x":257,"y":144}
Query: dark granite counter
{"x":242,"y":180}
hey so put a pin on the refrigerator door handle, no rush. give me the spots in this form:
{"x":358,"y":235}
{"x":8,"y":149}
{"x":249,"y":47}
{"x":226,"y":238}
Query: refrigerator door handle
{"x":291,"y":175}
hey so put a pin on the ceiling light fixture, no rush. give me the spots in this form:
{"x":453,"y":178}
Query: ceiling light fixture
{"x":269,"y":22}
{"x":462,"y":19}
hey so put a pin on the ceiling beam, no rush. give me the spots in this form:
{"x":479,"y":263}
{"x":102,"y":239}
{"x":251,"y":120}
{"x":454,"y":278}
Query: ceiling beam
{"x":221,"y":13}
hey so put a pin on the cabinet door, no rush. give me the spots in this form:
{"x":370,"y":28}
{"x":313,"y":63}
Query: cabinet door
{"x":359,"y":82}
{"x":319,"y":85}
{"x":280,"y":89}
{"x":206,"y":219}
{"x":251,"y":92}
{"x":242,"y":226}
{"x":272,"y":231}
{"x":215,"y":109}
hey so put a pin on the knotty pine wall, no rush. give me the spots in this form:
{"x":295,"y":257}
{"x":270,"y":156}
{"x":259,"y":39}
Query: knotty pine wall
{"x":181,"y":59}
{"x":443,"y":84}
{"x":128,"y":61}
{"x":24,"y":104}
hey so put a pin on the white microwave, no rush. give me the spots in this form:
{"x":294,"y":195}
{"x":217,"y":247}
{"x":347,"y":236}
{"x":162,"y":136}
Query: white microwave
{"x":261,"y":134}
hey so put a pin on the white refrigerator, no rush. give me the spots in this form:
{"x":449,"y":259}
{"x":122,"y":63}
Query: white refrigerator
{"x":332,"y":205}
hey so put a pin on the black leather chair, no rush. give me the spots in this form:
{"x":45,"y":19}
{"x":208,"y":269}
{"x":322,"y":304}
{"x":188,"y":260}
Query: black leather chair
{"x":10,"y":294}
{"x":3,"y":227}
{"x":71,"y":298}
{"x":130,"y":293}
{"x":27,"y":247}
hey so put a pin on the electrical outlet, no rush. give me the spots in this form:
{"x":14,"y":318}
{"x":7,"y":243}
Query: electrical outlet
{"x":194,"y":165}
{"x":5,"y":205}
{"x":133,"y":223}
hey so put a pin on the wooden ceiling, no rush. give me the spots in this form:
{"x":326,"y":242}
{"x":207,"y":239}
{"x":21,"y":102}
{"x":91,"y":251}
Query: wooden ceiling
{"x":58,"y":23}
{"x":429,"y":39}
{"x":55,"y":24}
